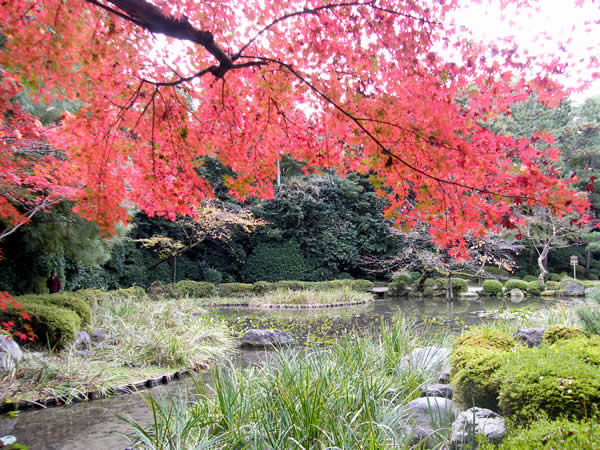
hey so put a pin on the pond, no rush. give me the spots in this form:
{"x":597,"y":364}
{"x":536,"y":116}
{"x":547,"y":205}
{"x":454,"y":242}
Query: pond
{"x":95,"y":424}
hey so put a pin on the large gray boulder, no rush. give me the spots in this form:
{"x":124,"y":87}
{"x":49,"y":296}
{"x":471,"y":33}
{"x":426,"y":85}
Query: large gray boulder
{"x":10,"y":353}
{"x":516,"y":295}
{"x":431,"y":361}
{"x":531,"y":337}
{"x":425,"y":417}
{"x":571,"y":288}
{"x":480,"y":421}
{"x":254,"y":338}
{"x":437,"y":390}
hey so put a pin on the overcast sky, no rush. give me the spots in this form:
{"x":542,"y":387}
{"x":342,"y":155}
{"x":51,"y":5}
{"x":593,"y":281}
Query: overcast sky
{"x":559,"y":19}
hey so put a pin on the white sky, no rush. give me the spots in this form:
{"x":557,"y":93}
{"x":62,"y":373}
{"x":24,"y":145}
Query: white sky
{"x":560,"y":19}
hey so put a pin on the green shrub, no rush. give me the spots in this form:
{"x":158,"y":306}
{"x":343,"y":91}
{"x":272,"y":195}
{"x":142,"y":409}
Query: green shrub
{"x":552,"y":284}
{"x":212,"y":275}
{"x":534,"y":287}
{"x":93,"y":297}
{"x":547,"y":380}
{"x":403,"y":277}
{"x":561,"y":433}
{"x":493,"y":288}
{"x":555,"y":277}
{"x":493,"y":270}
{"x":67,"y":300}
{"x":590,"y":317}
{"x":459,"y":285}
{"x":235,"y":289}
{"x":516,"y":284}
{"x":530,"y":278}
{"x":474,"y":376}
{"x":361,"y":285}
{"x":289,"y":284}
{"x":593,"y":294}
{"x":158,"y":290}
{"x":586,"y":348}
{"x":260,"y":287}
{"x":475,"y":359}
{"x":194,"y":289}
{"x":398,"y":288}
{"x":136,"y":292}
{"x":556,"y":333}
{"x":275,"y":261}
{"x":53,"y":326}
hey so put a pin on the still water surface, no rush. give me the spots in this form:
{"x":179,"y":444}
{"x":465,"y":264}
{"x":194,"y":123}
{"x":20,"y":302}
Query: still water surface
{"x":95,"y":424}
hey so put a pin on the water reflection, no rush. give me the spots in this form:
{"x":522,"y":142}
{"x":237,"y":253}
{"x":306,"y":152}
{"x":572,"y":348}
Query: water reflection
{"x":95,"y":425}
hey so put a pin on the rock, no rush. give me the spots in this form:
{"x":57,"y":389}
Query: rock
{"x":424,"y":417}
{"x":10,"y":353}
{"x":516,"y":295}
{"x":265,"y":338}
{"x":433,"y":361}
{"x":487,"y":422}
{"x":99,"y":336}
{"x":437,"y":390}
{"x":531,"y":337}
{"x":571,"y":288}
{"x":82,"y":341}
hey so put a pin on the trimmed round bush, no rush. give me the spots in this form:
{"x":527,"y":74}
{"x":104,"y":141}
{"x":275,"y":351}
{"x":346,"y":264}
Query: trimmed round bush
{"x":475,"y":359}
{"x":194,"y":289}
{"x":474,"y":376}
{"x":561,"y":433}
{"x":530,"y":278}
{"x":516,"y":284}
{"x":361,"y":285}
{"x":552,"y":284}
{"x":53,"y":326}
{"x":398,"y":287}
{"x":549,"y":381}
{"x":136,"y":292}
{"x":493,"y":288}
{"x":534,"y":287}
{"x":235,"y":289}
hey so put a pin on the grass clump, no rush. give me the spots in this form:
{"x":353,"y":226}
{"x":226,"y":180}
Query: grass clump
{"x":343,"y":295}
{"x":348,"y":395}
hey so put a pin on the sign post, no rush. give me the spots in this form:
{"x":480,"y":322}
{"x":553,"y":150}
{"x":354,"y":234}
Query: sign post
{"x":574,"y":262}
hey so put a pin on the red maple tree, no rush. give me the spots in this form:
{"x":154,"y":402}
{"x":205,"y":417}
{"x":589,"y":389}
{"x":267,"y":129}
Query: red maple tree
{"x":385,"y":87}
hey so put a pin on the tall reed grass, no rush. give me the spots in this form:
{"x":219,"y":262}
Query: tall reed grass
{"x":347,"y":395}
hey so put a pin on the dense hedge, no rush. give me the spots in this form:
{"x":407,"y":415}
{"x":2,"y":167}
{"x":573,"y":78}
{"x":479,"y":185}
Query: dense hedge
{"x":53,"y":326}
{"x":277,"y":261}
{"x":196,"y":289}
{"x":235,"y":289}
{"x":66,"y":300}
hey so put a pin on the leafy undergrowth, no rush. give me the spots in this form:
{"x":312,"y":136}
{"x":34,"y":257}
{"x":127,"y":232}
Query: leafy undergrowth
{"x":144,"y":339}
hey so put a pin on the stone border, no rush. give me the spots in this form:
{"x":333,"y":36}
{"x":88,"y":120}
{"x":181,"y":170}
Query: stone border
{"x":111,"y":392}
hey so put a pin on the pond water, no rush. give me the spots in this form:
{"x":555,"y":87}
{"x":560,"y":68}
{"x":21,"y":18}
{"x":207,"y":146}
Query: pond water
{"x":96,"y":425}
